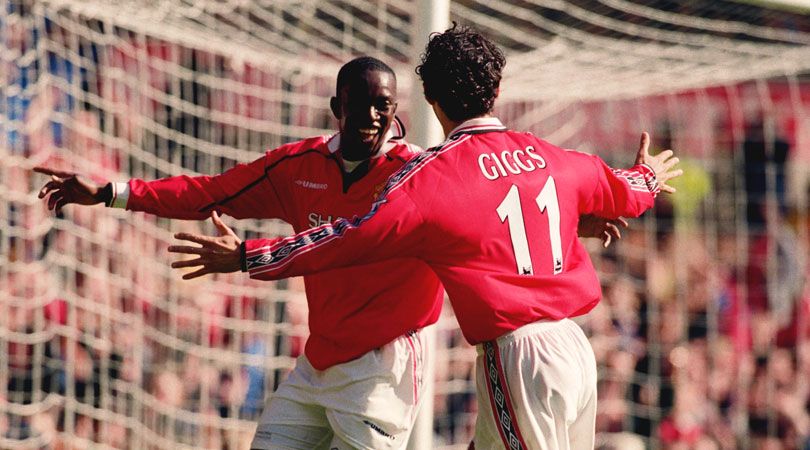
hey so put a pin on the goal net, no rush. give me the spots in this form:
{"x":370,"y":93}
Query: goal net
{"x":702,"y":334}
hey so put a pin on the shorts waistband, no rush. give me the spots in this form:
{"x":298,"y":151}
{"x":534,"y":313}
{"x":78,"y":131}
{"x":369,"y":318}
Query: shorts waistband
{"x":519,"y":333}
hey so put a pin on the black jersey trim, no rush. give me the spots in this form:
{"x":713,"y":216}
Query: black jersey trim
{"x":264,"y":175}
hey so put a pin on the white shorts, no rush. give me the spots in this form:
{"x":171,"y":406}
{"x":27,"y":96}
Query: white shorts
{"x":370,"y":402}
{"x":536,"y":389}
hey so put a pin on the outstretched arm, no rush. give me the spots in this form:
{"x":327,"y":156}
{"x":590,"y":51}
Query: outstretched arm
{"x":628,"y":192}
{"x":390,"y":230}
{"x":591,"y":226}
{"x":223,"y":253}
{"x":243,"y":191}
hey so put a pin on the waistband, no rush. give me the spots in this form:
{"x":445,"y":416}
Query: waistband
{"x":525,"y":330}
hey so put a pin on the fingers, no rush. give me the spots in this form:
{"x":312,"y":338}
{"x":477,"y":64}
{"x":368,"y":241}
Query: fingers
{"x":220,"y":225}
{"x":673,"y":174}
{"x":188,"y":263}
{"x":670,"y":163}
{"x":613,"y":231}
{"x":665,"y":154}
{"x":644,"y":144}
{"x":666,"y":176}
{"x":59,"y":205}
{"x":196,"y":238}
{"x":57,"y":197}
{"x":224,"y":230}
{"x":667,"y":188}
{"x":53,"y":172}
{"x":643,"y":148}
{"x":188,"y":250}
{"x":606,"y":240}
{"x":217,"y":221}
{"x":49,"y":187}
{"x":196,"y":274}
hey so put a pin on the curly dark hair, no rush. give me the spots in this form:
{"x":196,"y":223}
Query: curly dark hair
{"x":461,"y":70}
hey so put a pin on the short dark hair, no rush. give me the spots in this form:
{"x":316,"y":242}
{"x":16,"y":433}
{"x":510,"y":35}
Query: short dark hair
{"x":358,"y":66}
{"x":461,"y":70}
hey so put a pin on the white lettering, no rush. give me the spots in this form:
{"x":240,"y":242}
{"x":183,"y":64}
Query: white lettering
{"x":511,"y":167}
{"x":316,"y":220}
{"x":530,"y":152}
{"x":493,"y":175}
{"x":510,"y":162}
{"x":311,"y":185}
{"x":528,"y":166}
{"x":499,"y":164}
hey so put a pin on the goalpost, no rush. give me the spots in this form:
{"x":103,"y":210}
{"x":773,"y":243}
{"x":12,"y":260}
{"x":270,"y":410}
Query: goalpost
{"x":102,"y":346}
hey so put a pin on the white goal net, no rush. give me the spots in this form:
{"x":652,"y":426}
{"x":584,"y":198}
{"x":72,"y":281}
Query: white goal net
{"x":702,"y":335}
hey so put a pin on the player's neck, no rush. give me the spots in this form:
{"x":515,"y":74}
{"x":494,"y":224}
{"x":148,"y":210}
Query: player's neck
{"x":447,"y":123}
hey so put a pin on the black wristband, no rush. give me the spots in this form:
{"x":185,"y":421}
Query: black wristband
{"x":243,"y":256}
{"x":107,"y":194}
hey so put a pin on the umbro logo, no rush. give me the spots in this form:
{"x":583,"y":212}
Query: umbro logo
{"x":311,"y":184}
{"x":377,"y":428}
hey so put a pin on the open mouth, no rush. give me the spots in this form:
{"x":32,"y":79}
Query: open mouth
{"x":367,"y":135}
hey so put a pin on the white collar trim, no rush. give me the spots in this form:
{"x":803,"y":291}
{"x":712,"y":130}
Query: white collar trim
{"x":479,"y":123}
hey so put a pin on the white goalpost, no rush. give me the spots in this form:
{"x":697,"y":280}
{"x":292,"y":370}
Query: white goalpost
{"x":706,"y":298}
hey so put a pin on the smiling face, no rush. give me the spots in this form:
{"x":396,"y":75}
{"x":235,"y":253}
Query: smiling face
{"x":365,"y":108}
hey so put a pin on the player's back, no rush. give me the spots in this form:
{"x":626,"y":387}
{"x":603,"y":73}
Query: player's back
{"x":506,"y":246}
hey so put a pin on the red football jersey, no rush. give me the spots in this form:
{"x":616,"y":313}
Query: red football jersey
{"x":352,"y":310}
{"x":494,"y":213}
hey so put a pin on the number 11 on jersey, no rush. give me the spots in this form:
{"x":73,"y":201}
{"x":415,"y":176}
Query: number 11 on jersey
{"x":510,"y":210}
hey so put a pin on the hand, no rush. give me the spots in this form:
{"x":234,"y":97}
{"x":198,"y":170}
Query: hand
{"x":598,"y":227}
{"x":67,"y":187}
{"x":218,"y":254}
{"x":661,"y":163}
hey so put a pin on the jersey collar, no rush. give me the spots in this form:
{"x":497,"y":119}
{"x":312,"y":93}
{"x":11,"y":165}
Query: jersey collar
{"x":395,"y":132}
{"x":477,"y":125}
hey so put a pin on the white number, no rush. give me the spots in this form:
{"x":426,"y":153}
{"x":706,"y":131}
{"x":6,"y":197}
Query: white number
{"x":547,"y":202}
{"x":510,"y":206}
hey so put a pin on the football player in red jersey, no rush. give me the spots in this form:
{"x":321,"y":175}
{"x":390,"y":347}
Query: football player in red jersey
{"x":355,"y":386}
{"x":347,"y":390}
{"x":494,"y":213}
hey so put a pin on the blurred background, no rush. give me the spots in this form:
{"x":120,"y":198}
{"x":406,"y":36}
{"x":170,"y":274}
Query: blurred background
{"x":702,"y":337}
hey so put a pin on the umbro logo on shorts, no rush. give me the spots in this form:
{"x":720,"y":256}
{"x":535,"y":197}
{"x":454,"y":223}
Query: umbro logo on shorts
{"x":377,"y":428}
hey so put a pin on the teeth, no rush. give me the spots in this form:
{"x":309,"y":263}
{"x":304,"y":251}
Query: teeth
{"x":367,"y":131}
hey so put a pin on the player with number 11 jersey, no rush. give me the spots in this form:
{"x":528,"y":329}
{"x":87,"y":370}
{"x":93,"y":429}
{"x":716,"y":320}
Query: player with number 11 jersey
{"x":505,"y":247}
